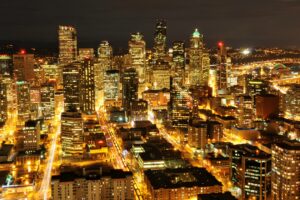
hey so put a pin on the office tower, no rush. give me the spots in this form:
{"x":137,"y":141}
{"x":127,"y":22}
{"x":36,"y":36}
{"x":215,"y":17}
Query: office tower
{"x":93,"y":184}
{"x":53,"y":73}
{"x":137,"y":52}
{"x":67,"y":39}
{"x":292,"y":103}
{"x":266,"y":106}
{"x":6,"y":66}
{"x":286,"y":170}
{"x":197,"y":135}
{"x":72,"y":134}
{"x":214,"y":131}
{"x":179,"y":110}
{"x":86,"y":53}
{"x":161,"y":74}
{"x":157,"y":99}
{"x":23,"y":101}
{"x":223,"y":68}
{"x":28,"y":138}
{"x":47,"y":100}
{"x":160,"y":37}
{"x":71,"y":83}
{"x":139,"y":110}
{"x":105,"y":54}
{"x":87,"y":87}
{"x":111,"y":85}
{"x":181,"y":183}
{"x":245,"y":112}
{"x":130,"y":88}
{"x":255,"y":86}
{"x":23,"y":66}
{"x":35,"y":102}
{"x":3,"y":101}
{"x":195,"y":53}
{"x":205,"y":68}
{"x":251,"y":171}
{"x":178,"y":59}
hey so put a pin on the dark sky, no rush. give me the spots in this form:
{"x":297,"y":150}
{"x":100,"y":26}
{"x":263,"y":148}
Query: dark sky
{"x":237,"y":22}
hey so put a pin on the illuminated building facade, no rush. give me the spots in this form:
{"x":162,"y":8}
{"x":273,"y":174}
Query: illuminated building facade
{"x":139,"y":110}
{"x":160,"y":37}
{"x":3,"y":102}
{"x":130,"y":88}
{"x":87,"y":87}
{"x":6,"y":65}
{"x":115,"y":184}
{"x":292,"y":103}
{"x":245,"y":111}
{"x":72,"y":134}
{"x":111,"y":85}
{"x":104,"y":63}
{"x":52,"y":72}
{"x":23,"y":102}
{"x":223,"y":68}
{"x":71,"y":83}
{"x":157,"y":99}
{"x":86,"y":53}
{"x":286,"y":170}
{"x":161,"y":74}
{"x":28,"y":137}
{"x":255,"y":86}
{"x":137,"y":52}
{"x":178,"y":59}
{"x":23,"y":66}
{"x":266,"y":106}
{"x":47,"y":100}
{"x":67,"y":38}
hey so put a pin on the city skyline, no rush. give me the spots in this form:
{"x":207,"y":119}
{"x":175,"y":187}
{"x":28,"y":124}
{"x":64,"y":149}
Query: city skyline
{"x":257,"y":23}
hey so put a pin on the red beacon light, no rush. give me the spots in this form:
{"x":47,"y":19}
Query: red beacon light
{"x":220,"y":44}
{"x":23,"y":51}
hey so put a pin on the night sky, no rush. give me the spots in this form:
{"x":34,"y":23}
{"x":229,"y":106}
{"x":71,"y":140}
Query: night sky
{"x":237,"y":22}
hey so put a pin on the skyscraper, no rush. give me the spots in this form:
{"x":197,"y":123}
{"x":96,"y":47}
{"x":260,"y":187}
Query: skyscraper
{"x":87,"y":86}
{"x":137,"y":52}
{"x":72,"y":134}
{"x":178,"y":63}
{"x":223,"y":67}
{"x":23,"y":66}
{"x":286,"y":170}
{"x":3,"y":101}
{"x":71,"y":83}
{"x":23,"y":96}
{"x":130,"y":88}
{"x":6,"y":65}
{"x":160,"y":37}
{"x":85,"y":53}
{"x":67,"y":39}
{"x":195,"y":53}
{"x":47,"y":100}
{"x":111,"y":85}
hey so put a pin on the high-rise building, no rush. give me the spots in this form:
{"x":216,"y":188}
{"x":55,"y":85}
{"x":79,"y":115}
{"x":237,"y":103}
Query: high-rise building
{"x":71,"y":83}
{"x":137,"y":52}
{"x":223,"y":68}
{"x":286,"y":170}
{"x":292,"y":103}
{"x":47,"y":100}
{"x":3,"y":102}
{"x":28,"y":138}
{"x":266,"y":106}
{"x":255,"y":86}
{"x":67,"y":39}
{"x":6,"y":66}
{"x":86,"y":53}
{"x":160,"y":37}
{"x":161,"y":74}
{"x":251,"y":171}
{"x":197,"y":135}
{"x":23,"y":102}
{"x":130,"y":84}
{"x":139,"y":110}
{"x":23,"y":66}
{"x":195,"y":54}
{"x":105,"y":54}
{"x":178,"y":63}
{"x":111,"y":85}
{"x":72,"y":134}
{"x":87,"y":87}
{"x":245,"y":111}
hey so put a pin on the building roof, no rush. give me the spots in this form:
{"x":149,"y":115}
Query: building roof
{"x":181,"y":177}
{"x":289,"y":145}
{"x":216,"y":196}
